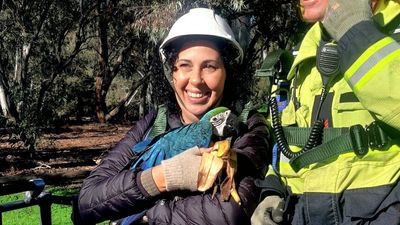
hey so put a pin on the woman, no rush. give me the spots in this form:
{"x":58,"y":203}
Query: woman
{"x":198,"y":54}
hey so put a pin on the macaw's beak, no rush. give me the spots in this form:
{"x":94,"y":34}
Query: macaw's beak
{"x":229,"y":131}
{"x":232,"y":126}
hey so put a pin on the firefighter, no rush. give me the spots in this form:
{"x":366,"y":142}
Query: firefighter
{"x":338,"y":137}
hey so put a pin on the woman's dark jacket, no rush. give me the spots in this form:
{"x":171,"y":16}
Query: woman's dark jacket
{"x":111,"y":192}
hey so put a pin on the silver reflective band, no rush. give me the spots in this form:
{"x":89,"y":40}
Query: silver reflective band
{"x":372,"y":61}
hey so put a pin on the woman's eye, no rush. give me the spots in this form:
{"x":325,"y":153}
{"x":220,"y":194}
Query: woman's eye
{"x":210,"y":67}
{"x":184,"y":66}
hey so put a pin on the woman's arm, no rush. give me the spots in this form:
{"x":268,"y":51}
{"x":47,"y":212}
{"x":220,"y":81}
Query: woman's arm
{"x":110,"y":192}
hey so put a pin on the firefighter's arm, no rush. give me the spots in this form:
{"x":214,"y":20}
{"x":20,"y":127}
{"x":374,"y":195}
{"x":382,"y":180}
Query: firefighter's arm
{"x":370,"y":62}
{"x":369,"y":59}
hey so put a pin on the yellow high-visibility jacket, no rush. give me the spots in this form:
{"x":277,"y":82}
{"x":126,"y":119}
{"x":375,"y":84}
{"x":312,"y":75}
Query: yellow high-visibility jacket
{"x":349,"y":187}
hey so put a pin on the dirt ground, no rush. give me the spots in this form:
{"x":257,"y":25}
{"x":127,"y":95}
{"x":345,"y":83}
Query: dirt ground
{"x":65,"y":155}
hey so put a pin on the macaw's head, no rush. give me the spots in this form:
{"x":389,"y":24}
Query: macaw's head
{"x":223,"y":121}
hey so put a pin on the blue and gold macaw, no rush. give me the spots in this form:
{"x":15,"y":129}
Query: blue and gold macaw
{"x":218,"y":123}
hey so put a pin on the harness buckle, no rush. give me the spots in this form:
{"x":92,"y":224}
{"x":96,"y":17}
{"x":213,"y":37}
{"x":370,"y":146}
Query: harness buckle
{"x":377,"y":138}
{"x":371,"y":137}
{"x":359,"y":139}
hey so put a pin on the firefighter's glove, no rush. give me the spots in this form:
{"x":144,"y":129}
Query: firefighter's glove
{"x":181,"y":171}
{"x":341,"y":15}
{"x":269,"y":211}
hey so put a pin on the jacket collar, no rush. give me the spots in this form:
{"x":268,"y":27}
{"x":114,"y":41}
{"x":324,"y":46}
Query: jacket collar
{"x":308,"y":47}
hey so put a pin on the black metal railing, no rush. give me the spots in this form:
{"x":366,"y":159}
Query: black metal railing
{"x":35,"y":195}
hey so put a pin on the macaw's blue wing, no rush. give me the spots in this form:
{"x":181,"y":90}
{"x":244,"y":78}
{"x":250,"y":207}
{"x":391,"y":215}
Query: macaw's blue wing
{"x":141,"y":146}
{"x":195,"y":134}
{"x":174,"y":142}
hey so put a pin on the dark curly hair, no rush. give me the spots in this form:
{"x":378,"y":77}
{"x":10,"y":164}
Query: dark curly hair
{"x":237,"y":86}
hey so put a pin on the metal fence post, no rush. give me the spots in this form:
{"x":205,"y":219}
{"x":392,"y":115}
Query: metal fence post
{"x":45,"y":208}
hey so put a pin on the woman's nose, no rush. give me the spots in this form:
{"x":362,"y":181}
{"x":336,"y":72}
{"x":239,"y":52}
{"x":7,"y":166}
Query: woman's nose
{"x":196,"y":77}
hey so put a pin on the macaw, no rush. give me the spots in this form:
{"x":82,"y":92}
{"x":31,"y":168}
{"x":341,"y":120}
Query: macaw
{"x":218,"y":123}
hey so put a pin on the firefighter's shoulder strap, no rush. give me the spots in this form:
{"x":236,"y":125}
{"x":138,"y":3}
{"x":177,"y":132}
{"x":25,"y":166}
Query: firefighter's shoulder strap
{"x":273,"y":71}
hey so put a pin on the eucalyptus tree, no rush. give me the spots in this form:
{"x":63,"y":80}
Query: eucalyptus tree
{"x":127,"y":36}
{"x":40,"y":39}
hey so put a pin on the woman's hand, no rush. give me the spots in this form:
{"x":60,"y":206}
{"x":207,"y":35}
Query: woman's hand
{"x":179,"y":172}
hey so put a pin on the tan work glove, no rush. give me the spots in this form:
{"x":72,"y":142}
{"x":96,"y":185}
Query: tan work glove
{"x":269,"y":211}
{"x":341,"y":15}
{"x":181,"y":171}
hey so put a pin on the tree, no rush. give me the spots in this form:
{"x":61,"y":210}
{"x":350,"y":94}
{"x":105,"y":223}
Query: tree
{"x":38,"y":42}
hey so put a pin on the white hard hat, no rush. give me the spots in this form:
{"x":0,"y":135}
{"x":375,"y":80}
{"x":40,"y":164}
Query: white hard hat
{"x":201,"y":21}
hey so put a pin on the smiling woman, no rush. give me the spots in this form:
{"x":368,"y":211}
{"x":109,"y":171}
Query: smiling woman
{"x":200,"y":55}
{"x":198,"y":79}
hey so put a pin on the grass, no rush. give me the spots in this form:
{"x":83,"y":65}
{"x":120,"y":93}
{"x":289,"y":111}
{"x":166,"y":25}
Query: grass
{"x":60,"y":214}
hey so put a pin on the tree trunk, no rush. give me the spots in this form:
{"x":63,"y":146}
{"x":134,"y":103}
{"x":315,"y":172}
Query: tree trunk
{"x":104,"y":73}
{"x":20,"y":73}
{"x":4,"y":104}
{"x":100,"y":101}
{"x":17,"y":66}
{"x":142,"y":105}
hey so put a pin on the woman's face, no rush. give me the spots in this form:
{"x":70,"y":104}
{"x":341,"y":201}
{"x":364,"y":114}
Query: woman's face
{"x":313,"y":10}
{"x":198,"y":78}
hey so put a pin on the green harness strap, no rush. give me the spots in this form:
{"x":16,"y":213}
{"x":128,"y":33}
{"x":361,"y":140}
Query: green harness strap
{"x":336,"y":141}
{"x":245,"y":112}
{"x":160,"y":123}
{"x":298,"y":136}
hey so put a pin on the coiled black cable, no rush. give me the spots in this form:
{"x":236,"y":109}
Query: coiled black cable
{"x":314,"y":139}
{"x":316,"y":135}
{"x":278,"y":130}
